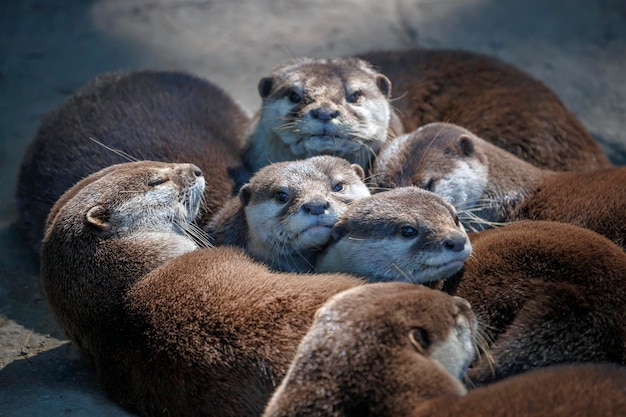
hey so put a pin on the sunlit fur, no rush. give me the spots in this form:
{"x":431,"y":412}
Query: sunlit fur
{"x":286,"y":130}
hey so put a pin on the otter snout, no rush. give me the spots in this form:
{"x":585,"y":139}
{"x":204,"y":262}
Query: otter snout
{"x":184,"y":175}
{"x":456,"y":242}
{"x":324,"y":113}
{"x":316,"y":206}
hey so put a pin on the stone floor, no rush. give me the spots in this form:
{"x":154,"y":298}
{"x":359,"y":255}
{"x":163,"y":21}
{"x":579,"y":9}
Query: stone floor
{"x":48,"y":48}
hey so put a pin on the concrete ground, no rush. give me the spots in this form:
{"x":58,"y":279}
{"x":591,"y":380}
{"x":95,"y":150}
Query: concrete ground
{"x":48,"y":48}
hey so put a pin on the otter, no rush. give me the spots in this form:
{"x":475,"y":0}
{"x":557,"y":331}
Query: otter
{"x":397,"y":349}
{"x":154,"y":115}
{"x":170,"y":328}
{"x":497,"y":101}
{"x":283,"y":216}
{"x":420,"y":240}
{"x":313,"y":106}
{"x":489,"y":186}
{"x":545,"y":292}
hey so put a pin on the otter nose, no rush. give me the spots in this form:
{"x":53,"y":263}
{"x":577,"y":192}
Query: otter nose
{"x":315,"y":206}
{"x":455,"y":243}
{"x":325,"y":114}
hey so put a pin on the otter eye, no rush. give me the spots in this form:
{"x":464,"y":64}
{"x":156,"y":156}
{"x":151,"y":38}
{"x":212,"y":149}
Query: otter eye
{"x":354,"y":97}
{"x":157,"y":181}
{"x":430,"y":185}
{"x":339,"y":187}
{"x":281,"y":196}
{"x":408,"y":232}
{"x":456,"y":220}
{"x":294,"y":97}
{"x":419,"y":338}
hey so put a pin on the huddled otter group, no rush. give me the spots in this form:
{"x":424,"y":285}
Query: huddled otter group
{"x":175,"y":328}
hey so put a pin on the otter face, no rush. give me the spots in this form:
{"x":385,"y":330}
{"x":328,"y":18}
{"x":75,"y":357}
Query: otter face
{"x":144,"y":197}
{"x":327,"y":106}
{"x":438,"y":157}
{"x":290,"y":207}
{"x":405,"y":234}
{"x":423,"y":323}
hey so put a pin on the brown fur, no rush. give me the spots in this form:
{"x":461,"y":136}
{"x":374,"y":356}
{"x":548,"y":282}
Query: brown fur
{"x":152,"y":115}
{"x":168,"y":329}
{"x":502,"y":104}
{"x":318,"y":190}
{"x":368,"y":353}
{"x":356,"y":360}
{"x":546,"y":293}
{"x":514,"y":190}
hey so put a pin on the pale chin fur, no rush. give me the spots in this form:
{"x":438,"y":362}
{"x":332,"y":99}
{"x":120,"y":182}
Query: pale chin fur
{"x":456,"y":353}
{"x":464,"y":184}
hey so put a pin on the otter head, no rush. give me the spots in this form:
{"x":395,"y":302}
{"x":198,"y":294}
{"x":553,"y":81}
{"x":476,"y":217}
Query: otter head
{"x":325,"y":106}
{"x":290,"y":207}
{"x":131,"y":199}
{"x":376,"y":349}
{"x":438,"y":157}
{"x":404,"y":234}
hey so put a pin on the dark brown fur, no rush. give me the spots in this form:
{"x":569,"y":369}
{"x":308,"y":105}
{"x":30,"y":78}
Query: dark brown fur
{"x":546,"y":293}
{"x":204,"y":333}
{"x":514,"y":189}
{"x":497,"y":101}
{"x":151,"y":115}
{"x":356,"y":360}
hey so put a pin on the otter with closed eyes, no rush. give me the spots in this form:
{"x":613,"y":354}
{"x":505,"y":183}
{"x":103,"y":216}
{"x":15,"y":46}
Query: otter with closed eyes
{"x":170,"y":328}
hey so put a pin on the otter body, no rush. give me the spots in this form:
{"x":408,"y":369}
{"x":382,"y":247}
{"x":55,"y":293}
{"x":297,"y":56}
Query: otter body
{"x":152,"y":115}
{"x":497,"y":101}
{"x":406,"y":360}
{"x":489,"y":186}
{"x":170,"y":328}
{"x":284,"y":215}
{"x":321,"y":106}
{"x":545,"y":292}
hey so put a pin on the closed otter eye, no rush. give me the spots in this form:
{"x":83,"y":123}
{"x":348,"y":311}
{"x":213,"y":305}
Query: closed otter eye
{"x":339,"y":187}
{"x":157,"y":181}
{"x":294,"y":97}
{"x":420,"y":339}
{"x":408,"y":231}
{"x":281,"y":196}
{"x":456,"y":220}
{"x":354,"y":97}
{"x":430,"y":185}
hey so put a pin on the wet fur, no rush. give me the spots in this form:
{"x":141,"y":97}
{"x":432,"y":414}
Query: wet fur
{"x":497,"y":101}
{"x":149,"y":115}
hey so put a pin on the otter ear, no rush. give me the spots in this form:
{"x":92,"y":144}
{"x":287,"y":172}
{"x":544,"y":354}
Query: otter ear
{"x":464,"y":145}
{"x":359,"y":171}
{"x":265,"y":86}
{"x":419,"y":339}
{"x":98,"y":217}
{"x":245,"y":194}
{"x":384,"y":85}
